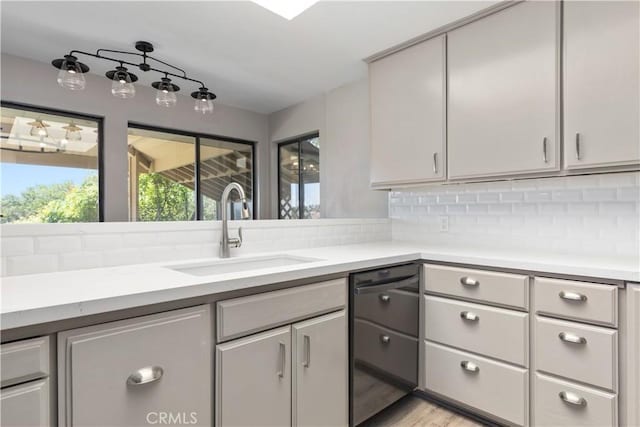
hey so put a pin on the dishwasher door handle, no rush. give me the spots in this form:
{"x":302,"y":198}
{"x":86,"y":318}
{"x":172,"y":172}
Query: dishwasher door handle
{"x":414,"y":280}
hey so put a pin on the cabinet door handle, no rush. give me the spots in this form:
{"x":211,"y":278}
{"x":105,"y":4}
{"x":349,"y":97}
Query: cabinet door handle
{"x":572,"y":296}
{"x":467,"y":315}
{"x":307,"y":351}
{"x":572,"y":398}
{"x":572,"y":338}
{"x":385,"y":298}
{"x":578,"y":154}
{"x":544,"y":150}
{"x":469,"y":366}
{"x":385,"y":339}
{"x":469,"y":281}
{"x":282,"y":356}
{"x":435,"y":163}
{"x":145,"y":375}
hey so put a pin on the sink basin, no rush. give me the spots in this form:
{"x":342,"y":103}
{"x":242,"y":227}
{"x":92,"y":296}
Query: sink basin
{"x":233,"y":265}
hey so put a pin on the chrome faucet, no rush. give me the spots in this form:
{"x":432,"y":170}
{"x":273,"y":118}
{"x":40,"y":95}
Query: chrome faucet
{"x":236,"y":242}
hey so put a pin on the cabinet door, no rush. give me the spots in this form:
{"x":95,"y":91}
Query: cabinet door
{"x":503,"y":103}
{"x":320,"y":371}
{"x":408,"y":115}
{"x":26,"y":404}
{"x":602,"y":83}
{"x":253,"y":380}
{"x":630,"y":376}
{"x":138,"y":371}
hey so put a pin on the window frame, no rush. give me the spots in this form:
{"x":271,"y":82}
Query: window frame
{"x":297,"y":140}
{"x":197,"y":136}
{"x":73,"y":115}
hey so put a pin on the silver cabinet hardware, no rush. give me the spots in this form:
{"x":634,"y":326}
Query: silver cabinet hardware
{"x":385,"y":298}
{"x":572,"y":338}
{"x":544,"y":150}
{"x":469,"y":281}
{"x":578,"y":154}
{"x":467,"y":315}
{"x":435,"y":162}
{"x":572,"y":296}
{"x":572,"y":398}
{"x":145,"y":375}
{"x":469,"y":366}
{"x":385,"y":339}
{"x":283,"y":350}
{"x":307,"y":351}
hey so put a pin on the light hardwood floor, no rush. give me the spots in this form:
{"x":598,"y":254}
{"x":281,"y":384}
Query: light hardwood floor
{"x":412,"y":411}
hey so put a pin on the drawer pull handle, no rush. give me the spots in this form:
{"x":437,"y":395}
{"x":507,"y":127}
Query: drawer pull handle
{"x":469,"y":281}
{"x":469,"y":366}
{"x":572,"y":398}
{"x":282,"y":356}
{"x":574,"y":339}
{"x":572,"y":296}
{"x":385,"y":339}
{"x":385,"y":298}
{"x":145,"y":375}
{"x":467,"y":315}
{"x":307,"y":351}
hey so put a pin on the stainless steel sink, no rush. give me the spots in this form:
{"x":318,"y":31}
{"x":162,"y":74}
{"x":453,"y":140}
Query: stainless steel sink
{"x":240,"y":264}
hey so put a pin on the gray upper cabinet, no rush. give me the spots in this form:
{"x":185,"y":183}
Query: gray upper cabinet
{"x":253,"y":377}
{"x":503,"y":73}
{"x":320,"y":371}
{"x":138,"y":371}
{"x":602,"y":83}
{"x":408,"y":115}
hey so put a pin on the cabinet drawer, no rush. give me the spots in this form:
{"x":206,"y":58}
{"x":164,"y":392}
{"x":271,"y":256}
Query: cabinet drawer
{"x":581,"y":352}
{"x":479,"y":285}
{"x":246,"y":315}
{"x":26,"y":404}
{"x":395,"y":309}
{"x":561,"y":403}
{"x":495,"y":332}
{"x":386,"y":350}
{"x":576,"y":300}
{"x":492,"y":387}
{"x":124,"y":373}
{"x":24,"y":360}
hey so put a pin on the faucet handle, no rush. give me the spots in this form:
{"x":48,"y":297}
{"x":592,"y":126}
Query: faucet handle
{"x":239,"y":237}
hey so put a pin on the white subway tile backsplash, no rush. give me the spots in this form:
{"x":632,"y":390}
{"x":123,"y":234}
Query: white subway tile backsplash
{"x":589,"y":214}
{"x":42,"y":248}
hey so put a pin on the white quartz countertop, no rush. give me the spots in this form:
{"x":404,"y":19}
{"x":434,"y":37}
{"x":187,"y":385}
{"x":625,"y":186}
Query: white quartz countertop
{"x":40,"y":298}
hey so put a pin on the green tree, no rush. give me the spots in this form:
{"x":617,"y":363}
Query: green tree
{"x":80,"y":204}
{"x":161,"y":199}
{"x":26,"y":206}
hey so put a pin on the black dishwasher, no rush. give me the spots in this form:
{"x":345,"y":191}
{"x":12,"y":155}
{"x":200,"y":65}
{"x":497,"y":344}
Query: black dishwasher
{"x":384,"y":306}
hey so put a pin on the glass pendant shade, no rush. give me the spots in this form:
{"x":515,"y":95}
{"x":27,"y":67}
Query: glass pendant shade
{"x":204,"y":106}
{"x":122,"y":83}
{"x":72,"y":132}
{"x":71,"y":75}
{"x":38,"y":129}
{"x":166,"y":92}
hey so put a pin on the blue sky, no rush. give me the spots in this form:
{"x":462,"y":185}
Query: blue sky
{"x":15,"y":178}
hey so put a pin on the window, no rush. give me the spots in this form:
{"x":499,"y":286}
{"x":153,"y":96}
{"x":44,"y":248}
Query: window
{"x":49,"y":166}
{"x":299,"y":178}
{"x":179,"y":176}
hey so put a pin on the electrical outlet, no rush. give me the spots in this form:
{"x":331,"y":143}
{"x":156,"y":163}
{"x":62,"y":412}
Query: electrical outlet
{"x":443,"y":222}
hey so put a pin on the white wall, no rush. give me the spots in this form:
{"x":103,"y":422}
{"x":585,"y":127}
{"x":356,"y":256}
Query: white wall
{"x":341,"y":116}
{"x":30,"y":82}
{"x":592,"y":215}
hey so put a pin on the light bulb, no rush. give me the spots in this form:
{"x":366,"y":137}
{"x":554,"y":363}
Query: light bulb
{"x":123,"y":89}
{"x":165,"y":98}
{"x":42,"y":132}
{"x":63,"y":142}
{"x":70,"y":76}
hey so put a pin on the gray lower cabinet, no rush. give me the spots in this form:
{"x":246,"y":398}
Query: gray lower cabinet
{"x":320,"y":371}
{"x":292,"y":375}
{"x":26,"y":404}
{"x":253,"y":380}
{"x":149,"y":370}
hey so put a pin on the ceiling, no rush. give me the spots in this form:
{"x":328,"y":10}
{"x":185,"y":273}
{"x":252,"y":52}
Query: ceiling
{"x":250,"y":57}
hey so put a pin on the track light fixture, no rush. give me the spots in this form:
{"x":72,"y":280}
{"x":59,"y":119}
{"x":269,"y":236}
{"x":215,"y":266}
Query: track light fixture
{"x":71,"y":76}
